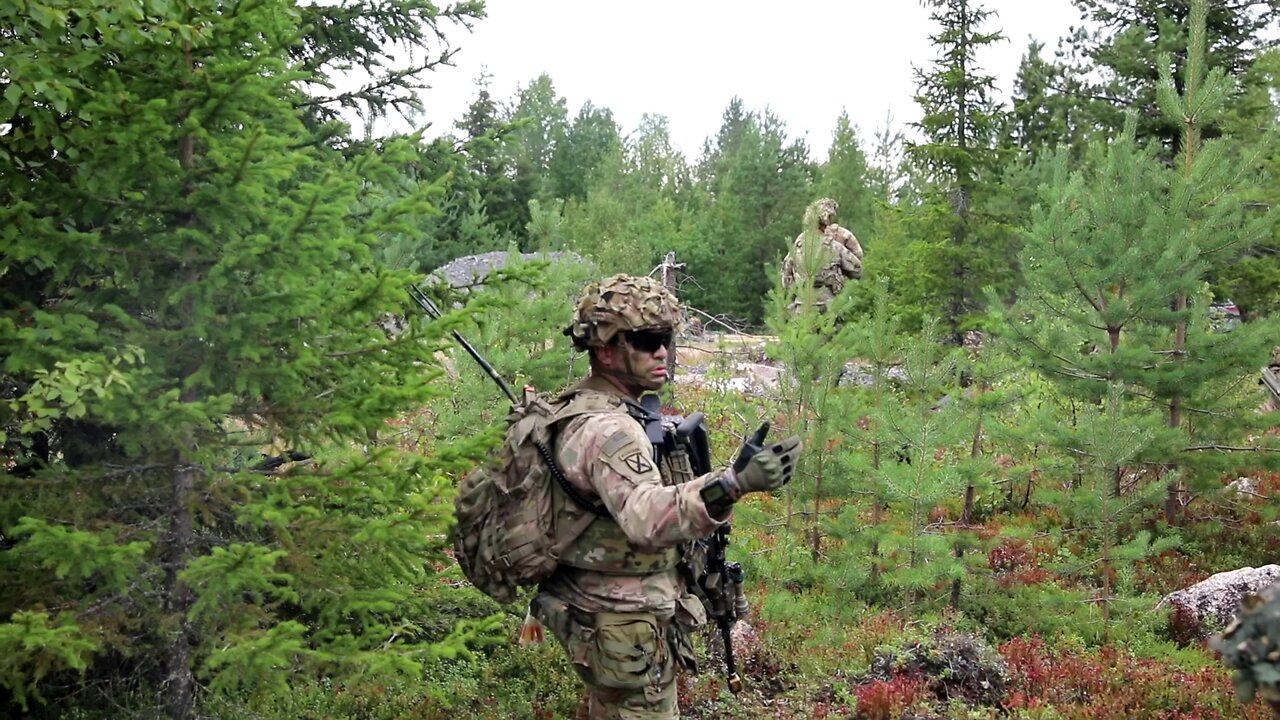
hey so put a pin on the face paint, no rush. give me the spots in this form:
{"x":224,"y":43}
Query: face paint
{"x":640,"y":369}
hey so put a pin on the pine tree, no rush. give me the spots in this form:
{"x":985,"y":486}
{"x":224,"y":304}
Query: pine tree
{"x":755,"y":184}
{"x":1114,"y":258}
{"x":813,"y":346}
{"x":1211,"y":226}
{"x":486,"y":194}
{"x":538,"y":120}
{"x":845,"y":176}
{"x":1117,"y":65}
{"x":1043,"y":116}
{"x":590,"y":140}
{"x":922,"y":433}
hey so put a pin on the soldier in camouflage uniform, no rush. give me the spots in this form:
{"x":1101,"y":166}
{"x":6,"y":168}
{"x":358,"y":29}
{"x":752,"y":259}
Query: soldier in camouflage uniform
{"x":617,"y":603}
{"x":836,"y":259}
{"x":1251,"y":646}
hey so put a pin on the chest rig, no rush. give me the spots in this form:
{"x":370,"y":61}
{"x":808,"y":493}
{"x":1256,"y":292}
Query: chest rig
{"x":680,"y":447}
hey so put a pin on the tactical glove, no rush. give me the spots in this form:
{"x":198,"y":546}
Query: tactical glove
{"x":756,"y":469}
{"x":769,"y":468}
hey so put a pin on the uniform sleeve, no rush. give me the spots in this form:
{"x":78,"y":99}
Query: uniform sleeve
{"x":848,"y":263}
{"x":849,"y":241}
{"x":610,"y":455}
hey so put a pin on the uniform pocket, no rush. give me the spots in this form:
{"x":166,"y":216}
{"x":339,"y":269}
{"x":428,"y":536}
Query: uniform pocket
{"x":569,"y":630}
{"x":629,"y":651}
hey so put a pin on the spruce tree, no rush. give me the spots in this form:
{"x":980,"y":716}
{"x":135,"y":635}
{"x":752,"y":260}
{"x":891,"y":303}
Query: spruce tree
{"x":960,"y":125}
{"x":190,"y":302}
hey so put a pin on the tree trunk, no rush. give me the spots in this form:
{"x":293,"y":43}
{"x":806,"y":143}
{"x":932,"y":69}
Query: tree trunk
{"x":669,"y":267}
{"x":179,"y":682}
{"x":1177,"y":490}
{"x":815,"y":530}
{"x":966,"y":516}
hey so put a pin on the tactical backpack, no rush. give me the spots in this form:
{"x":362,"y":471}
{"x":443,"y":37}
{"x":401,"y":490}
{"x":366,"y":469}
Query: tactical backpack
{"x":506,"y":536}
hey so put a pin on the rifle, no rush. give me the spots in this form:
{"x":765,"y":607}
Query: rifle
{"x":720,"y":586}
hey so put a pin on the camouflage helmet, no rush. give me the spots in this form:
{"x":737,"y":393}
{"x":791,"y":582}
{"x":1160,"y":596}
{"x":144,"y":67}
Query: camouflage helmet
{"x":821,"y":212}
{"x":620,"y":303}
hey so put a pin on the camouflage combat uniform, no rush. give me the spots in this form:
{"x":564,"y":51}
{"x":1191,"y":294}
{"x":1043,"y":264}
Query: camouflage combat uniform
{"x":617,"y":603}
{"x":842,"y":236}
{"x":839,"y":258}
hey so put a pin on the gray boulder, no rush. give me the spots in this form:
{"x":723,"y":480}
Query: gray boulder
{"x":470,"y":271}
{"x":856,"y":373}
{"x":1251,"y":646}
{"x":1216,"y":600}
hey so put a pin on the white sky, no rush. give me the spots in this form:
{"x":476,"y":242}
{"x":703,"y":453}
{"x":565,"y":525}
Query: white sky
{"x":805,"y":60}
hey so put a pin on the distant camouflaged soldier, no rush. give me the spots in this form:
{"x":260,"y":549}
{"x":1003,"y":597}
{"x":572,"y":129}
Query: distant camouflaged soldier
{"x":1251,"y":646}
{"x":617,"y":603}
{"x":838,"y":260}
{"x":826,"y":212}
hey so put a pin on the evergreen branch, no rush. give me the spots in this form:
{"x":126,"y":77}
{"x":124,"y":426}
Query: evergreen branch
{"x":1062,"y":312}
{"x":121,"y":470}
{"x":1163,"y":402}
{"x":1250,"y":493}
{"x":244,"y":159}
{"x":1080,"y":375}
{"x":370,"y":91}
{"x":1231,"y":448}
{"x":360,"y":351}
{"x":1076,"y":91}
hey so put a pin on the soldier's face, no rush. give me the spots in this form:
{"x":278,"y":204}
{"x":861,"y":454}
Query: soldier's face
{"x":639,"y":358}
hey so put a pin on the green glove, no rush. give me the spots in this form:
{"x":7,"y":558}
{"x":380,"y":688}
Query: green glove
{"x":770,"y":468}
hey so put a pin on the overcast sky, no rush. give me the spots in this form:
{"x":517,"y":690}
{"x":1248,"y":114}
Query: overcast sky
{"x":806,"y":60}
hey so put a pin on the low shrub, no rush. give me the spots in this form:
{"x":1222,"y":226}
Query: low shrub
{"x":1111,"y":684}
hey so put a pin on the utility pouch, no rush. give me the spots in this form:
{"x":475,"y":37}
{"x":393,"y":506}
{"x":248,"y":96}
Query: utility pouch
{"x":691,"y":614}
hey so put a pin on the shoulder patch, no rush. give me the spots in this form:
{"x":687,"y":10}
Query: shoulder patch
{"x":628,"y":452}
{"x":637,"y":461}
{"x":617,"y":441}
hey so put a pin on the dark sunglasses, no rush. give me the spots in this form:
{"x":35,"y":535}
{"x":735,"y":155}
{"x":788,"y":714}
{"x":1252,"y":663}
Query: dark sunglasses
{"x":648,"y":341}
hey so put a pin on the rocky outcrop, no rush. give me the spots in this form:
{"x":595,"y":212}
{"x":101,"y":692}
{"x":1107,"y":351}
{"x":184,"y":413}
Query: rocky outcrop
{"x":470,"y":271}
{"x":1215,"y":601}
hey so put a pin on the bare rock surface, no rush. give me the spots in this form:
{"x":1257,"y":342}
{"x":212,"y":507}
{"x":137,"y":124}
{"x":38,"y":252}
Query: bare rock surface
{"x":470,"y":271}
{"x":1216,"y":600}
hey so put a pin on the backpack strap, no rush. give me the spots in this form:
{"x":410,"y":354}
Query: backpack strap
{"x":597,"y":509}
{"x":648,"y":415}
